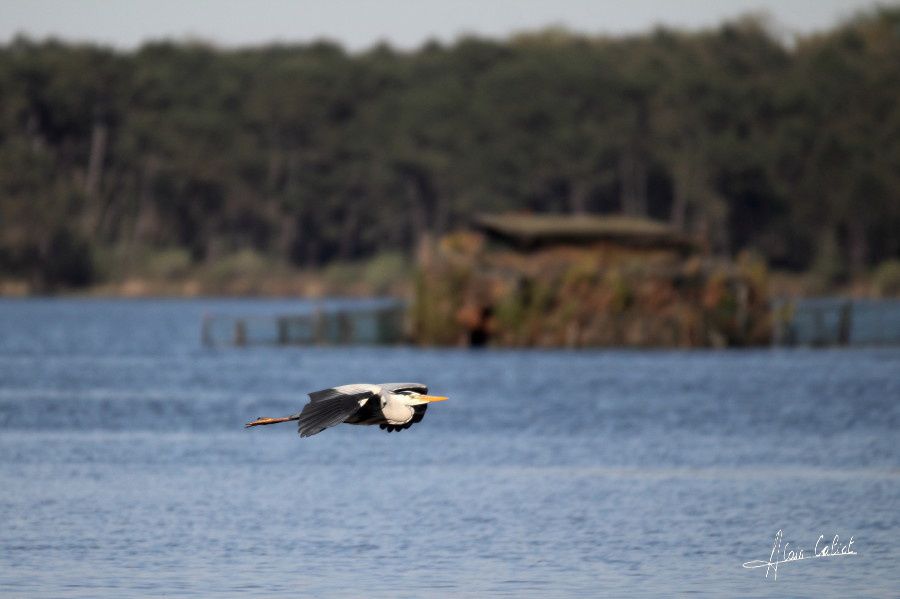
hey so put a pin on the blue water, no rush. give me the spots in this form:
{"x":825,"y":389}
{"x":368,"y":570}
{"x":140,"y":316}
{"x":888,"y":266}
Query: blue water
{"x":125,"y":470}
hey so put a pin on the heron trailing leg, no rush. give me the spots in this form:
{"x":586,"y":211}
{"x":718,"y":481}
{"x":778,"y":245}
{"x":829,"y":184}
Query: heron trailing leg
{"x":261,"y":421}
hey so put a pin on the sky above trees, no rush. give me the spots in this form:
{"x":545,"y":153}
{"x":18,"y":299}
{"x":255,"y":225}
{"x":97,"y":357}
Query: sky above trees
{"x":359,"y":24}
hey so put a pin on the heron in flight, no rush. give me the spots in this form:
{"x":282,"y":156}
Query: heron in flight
{"x":392,"y":406}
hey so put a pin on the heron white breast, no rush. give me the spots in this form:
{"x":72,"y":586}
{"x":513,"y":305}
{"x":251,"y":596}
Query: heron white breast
{"x":396,"y":412}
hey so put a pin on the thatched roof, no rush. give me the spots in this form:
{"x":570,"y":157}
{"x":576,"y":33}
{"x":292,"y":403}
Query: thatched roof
{"x":532,"y":230}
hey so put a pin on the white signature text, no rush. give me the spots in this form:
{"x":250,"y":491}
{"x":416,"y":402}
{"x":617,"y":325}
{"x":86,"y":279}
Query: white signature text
{"x":783,"y":553}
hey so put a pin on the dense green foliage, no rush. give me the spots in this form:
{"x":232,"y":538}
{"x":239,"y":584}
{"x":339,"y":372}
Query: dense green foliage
{"x":308,"y":154}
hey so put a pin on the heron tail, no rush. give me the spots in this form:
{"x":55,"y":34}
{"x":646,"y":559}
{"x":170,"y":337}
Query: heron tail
{"x":261,"y":421}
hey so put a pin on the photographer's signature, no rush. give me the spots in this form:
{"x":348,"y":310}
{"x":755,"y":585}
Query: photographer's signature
{"x":786,"y":553}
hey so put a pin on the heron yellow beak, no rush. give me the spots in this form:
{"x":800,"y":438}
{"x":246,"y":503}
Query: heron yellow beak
{"x":432,"y":398}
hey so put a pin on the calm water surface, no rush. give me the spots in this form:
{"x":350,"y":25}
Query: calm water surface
{"x":125,"y":470}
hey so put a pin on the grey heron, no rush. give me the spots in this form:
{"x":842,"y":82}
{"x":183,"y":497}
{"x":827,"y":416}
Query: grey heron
{"x":392,"y":406}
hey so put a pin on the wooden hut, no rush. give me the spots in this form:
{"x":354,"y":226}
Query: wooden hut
{"x":532,"y":231}
{"x":576,"y":281}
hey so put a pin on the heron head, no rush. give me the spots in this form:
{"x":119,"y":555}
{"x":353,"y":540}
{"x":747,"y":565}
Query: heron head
{"x":411,"y":398}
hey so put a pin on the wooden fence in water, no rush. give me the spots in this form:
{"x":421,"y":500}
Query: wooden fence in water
{"x":358,"y":326}
{"x":821,"y":322}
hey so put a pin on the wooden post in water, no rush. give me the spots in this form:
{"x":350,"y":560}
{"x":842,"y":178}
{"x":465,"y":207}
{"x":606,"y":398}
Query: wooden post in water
{"x":845,"y":323}
{"x":283,"y":331}
{"x":318,"y":327}
{"x":779,"y":322}
{"x":205,"y":334}
{"x":344,"y":328}
{"x":240,"y":332}
{"x":819,"y":335}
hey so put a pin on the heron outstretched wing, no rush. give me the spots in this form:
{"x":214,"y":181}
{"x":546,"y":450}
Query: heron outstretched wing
{"x":360,"y":391}
{"x":330,"y":407}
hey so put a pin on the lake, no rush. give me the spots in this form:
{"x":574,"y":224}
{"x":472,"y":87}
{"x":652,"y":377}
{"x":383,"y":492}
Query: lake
{"x":125,"y":470}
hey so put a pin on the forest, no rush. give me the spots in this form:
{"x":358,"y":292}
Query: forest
{"x":182,"y":155}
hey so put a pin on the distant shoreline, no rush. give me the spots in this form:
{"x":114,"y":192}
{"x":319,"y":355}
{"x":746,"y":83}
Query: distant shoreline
{"x":318,"y":284}
{"x":304,"y":286}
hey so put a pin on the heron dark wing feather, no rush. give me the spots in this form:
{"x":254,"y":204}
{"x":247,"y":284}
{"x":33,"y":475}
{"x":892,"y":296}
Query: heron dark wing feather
{"x":356,"y":391}
{"x":319,"y":415}
{"x":418,"y":413}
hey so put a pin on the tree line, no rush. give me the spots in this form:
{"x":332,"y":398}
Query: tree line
{"x":309,"y":154}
